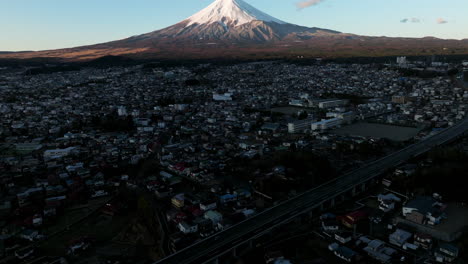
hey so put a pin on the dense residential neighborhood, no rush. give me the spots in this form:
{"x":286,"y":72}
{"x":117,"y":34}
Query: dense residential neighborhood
{"x":157,"y":157}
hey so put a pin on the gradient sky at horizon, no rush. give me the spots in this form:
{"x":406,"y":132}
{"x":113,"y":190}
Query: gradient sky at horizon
{"x":52,"y":24}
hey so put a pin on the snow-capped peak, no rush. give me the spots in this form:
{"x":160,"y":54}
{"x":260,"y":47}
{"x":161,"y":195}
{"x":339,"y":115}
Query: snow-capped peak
{"x":234,"y":12}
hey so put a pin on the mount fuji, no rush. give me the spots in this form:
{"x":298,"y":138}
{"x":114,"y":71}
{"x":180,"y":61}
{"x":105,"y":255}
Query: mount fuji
{"x":232,"y":21}
{"x":235,"y":29}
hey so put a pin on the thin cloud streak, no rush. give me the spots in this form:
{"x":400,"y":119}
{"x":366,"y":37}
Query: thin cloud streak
{"x":412,"y":20}
{"x":441,"y":21}
{"x":308,"y":3}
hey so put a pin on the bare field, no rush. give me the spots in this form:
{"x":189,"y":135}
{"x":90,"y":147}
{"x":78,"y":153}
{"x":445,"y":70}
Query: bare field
{"x":396,"y":133}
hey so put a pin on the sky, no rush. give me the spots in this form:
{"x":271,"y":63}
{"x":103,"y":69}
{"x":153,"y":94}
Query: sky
{"x":53,"y":24}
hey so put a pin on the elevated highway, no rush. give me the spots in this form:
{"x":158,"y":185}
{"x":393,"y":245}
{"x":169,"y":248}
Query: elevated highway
{"x":211,"y":248}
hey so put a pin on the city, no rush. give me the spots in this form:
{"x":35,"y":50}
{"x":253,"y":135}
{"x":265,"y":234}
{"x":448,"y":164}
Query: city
{"x":182,"y":153}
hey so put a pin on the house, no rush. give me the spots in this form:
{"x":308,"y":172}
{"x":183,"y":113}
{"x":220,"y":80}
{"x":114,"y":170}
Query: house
{"x":29,"y":234}
{"x":329,"y":222}
{"x":178,"y":201}
{"x":205,"y":227}
{"x":163,"y":192}
{"x":195,"y":211}
{"x":345,"y":254}
{"x":351,"y":219}
{"x":446,"y":253}
{"x":377,"y":250}
{"x":227,"y":198}
{"x":424,"y":210}
{"x":37,"y":220}
{"x":423,"y":240}
{"x":208,"y":205}
{"x":248,"y":213}
{"x":344,"y":238}
{"x":214,"y":216}
{"x":165,"y":175}
{"x":243,"y":193}
{"x":270,"y":126}
{"x":387,"y":202}
{"x":187,"y":228}
{"x":399,"y":237}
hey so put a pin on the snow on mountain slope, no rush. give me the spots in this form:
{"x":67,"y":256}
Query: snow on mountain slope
{"x":230,"y":13}
{"x":231,"y":21}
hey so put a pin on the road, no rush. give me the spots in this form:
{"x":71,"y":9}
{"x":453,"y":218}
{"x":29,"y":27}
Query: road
{"x":208,"y":249}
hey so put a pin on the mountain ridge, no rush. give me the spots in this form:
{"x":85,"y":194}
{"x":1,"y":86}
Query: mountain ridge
{"x":235,"y":29}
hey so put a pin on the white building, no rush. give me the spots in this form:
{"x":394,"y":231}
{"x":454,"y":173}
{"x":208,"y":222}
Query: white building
{"x":186,"y":228}
{"x":332,"y":103}
{"x":326,"y":124}
{"x":222,"y":97}
{"x":401,"y":60}
{"x":214,"y":216}
{"x":122,"y":111}
{"x":296,"y":102}
{"x":58,"y":153}
{"x":300,"y":126}
{"x":347,"y":117}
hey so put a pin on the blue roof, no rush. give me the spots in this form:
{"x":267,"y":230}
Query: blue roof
{"x":346,"y":252}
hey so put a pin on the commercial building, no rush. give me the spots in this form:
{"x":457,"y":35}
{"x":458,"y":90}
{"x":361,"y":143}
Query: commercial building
{"x":300,"y":126}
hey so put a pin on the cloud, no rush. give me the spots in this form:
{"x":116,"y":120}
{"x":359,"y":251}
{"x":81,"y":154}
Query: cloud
{"x":412,"y":20}
{"x":308,"y":3}
{"x":441,"y":21}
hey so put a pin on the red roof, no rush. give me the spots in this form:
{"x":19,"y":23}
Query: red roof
{"x":180,"y":167}
{"x":153,"y":183}
{"x":354,"y":217}
{"x":195,"y":210}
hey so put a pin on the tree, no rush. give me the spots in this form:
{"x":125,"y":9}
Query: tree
{"x":303,"y":115}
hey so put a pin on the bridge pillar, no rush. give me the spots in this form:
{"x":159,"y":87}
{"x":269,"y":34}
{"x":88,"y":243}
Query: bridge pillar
{"x":342,"y":198}
{"x":353,"y":192}
{"x":234,"y":252}
{"x":297,"y":220}
{"x":322,"y":207}
{"x":332,"y":202}
{"x":363,"y":187}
